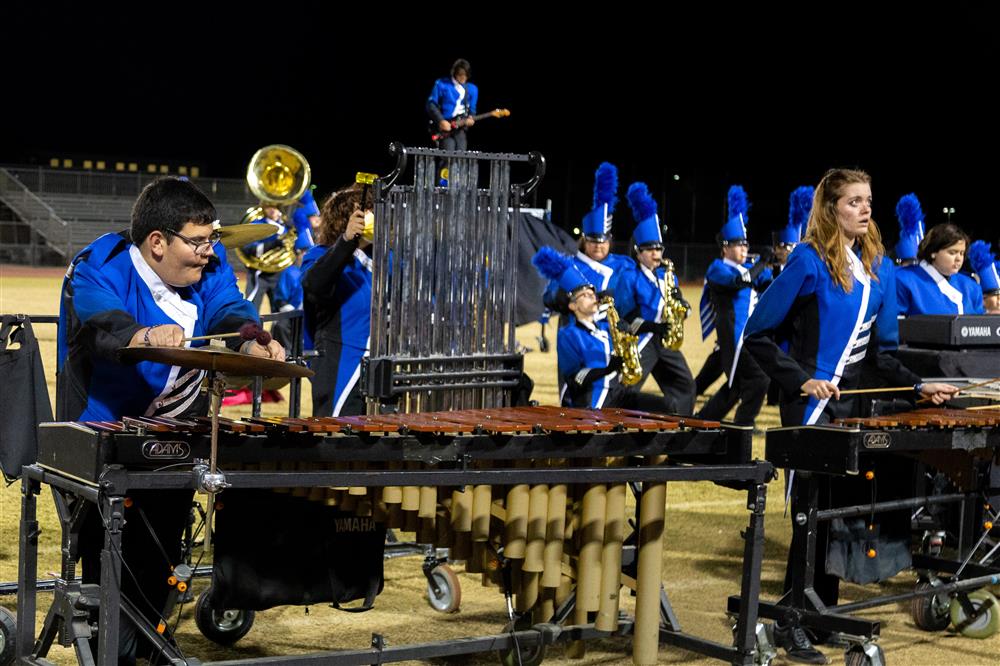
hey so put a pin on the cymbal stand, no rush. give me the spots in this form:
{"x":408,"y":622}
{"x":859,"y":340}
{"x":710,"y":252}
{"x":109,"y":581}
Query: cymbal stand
{"x":209,"y":479}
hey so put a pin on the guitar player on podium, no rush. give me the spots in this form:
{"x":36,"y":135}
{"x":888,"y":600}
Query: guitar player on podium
{"x":451,"y":105}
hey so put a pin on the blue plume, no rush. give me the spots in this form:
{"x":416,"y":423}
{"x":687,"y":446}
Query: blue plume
{"x":909,"y":214}
{"x":980,"y":256}
{"x":739,"y":202}
{"x":551,"y":263}
{"x":799,"y":205}
{"x":606,"y":186}
{"x":642,"y":202}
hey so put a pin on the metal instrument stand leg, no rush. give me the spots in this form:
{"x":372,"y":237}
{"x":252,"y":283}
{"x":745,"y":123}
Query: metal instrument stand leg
{"x":753,"y":556}
{"x":258,"y":395}
{"x":27,"y":594}
{"x":113,"y":513}
{"x":211,"y":481}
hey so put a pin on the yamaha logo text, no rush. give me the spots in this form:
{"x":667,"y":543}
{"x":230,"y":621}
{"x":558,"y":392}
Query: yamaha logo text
{"x":154,"y":449}
{"x":976,"y":332}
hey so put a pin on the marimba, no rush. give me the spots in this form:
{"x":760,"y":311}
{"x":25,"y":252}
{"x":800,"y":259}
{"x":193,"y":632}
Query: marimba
{"x":544,"y":486}
{"x":958,"y":443}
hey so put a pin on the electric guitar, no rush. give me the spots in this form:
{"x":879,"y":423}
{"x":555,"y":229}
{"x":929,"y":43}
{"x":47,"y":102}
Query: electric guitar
{"x":437,"y":133}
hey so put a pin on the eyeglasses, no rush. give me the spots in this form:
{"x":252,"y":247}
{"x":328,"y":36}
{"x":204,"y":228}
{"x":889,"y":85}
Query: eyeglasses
{"x":199,"y":246}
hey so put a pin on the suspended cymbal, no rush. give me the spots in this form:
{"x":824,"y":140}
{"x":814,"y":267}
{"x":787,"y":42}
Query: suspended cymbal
{"x":238,"y":235}
{"x":222,"y":360}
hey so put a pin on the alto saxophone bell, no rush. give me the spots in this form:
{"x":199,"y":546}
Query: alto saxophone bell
{"x":625,"y":345}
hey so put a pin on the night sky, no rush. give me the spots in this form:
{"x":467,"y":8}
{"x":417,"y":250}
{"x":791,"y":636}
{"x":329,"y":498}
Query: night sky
{"x":715,"y":96}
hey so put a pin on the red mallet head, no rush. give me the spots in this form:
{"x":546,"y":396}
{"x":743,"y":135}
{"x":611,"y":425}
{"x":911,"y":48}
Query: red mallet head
{"x":251,"y":331}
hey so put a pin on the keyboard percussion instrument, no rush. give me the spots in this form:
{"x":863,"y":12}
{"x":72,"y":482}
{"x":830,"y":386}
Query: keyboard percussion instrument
{"x":534,"y":493}
{"x":928,"y":458}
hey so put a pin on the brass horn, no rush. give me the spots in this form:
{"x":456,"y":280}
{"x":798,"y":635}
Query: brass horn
{"x":277,"y":175}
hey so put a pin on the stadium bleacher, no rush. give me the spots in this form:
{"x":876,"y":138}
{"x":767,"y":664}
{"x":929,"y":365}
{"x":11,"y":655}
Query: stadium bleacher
{"x":69,"y":209}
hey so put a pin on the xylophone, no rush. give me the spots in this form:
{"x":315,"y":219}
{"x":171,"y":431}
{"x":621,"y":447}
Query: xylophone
{"x":543,"y":486}
{"x":840,"y":447}
{"x":84,"y":450}
{"x":958,"y":443}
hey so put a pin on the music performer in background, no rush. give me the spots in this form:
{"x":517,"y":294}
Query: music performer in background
{"x":911,"y":229}
{"x":834,"y":305}
{"x":659,"y":305}
{"x":337,"y":289}
{"x":783,"y":242}
{"x":935,"y":285}
{"x":984,"y":264}
{"x":451,"y":105}
{"x":155,"y":285}
{"x":261,"y":282}
{"x":589,"y":368}
{"x":611,"y":274}
{"x":732,"y":284}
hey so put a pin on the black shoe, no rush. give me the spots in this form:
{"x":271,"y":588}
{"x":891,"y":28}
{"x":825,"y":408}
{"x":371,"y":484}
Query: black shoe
{"x":795,"y":642}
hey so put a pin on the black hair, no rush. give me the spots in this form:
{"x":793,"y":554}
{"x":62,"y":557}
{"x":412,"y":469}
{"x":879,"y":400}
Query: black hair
{"x":462,"y":64}
{"x":167,"y":204}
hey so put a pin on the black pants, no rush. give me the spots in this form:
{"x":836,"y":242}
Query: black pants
{"x":260,"y":283}
{"x":146,"y":565}
{"x":710,"y":371}
{"x":749,"y":390}
{"x":327,"y":366}
{"x":671,"y":373}
{"x":632,"y":398}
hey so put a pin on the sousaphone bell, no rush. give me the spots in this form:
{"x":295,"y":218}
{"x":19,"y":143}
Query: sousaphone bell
{"x":277,"y":175}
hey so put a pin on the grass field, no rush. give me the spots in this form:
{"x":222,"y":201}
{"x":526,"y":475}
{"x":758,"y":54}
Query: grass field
{"x":701,"y":555}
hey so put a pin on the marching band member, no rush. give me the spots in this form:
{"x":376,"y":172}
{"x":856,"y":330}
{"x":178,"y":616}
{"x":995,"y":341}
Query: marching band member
{"x":337,"y":288}
{"x":287,"y":292}
{"x":984,"y":264}
{"x":611,"y":274}
{"x":651,"y":322}
{"x":834,"y":305}
{"x":588,"y":369}
{"x":785,"y":240}
{"x":261,"y":282}
{"x":935,"y":286}
{"x":164,"y":281}
{"x":911,"y":229}
{"x":731,"y":285}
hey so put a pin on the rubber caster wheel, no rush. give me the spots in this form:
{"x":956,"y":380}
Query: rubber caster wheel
{"x":224,"y":627}
{"x":930,"y":612}
{"x":449,"y":596}
{"x":8,"y":630}
{"x":983,"y":626}
{"x":530,"y":655}
{"x":865,"y":655}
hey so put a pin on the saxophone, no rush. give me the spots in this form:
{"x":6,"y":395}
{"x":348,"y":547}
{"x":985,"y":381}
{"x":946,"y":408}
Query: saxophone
{"x":675,"y":311}
{"x":625,"y":345}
